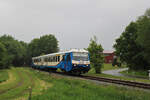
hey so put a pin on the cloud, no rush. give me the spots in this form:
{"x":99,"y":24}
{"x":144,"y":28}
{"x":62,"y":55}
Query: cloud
{"x":73,"y":22}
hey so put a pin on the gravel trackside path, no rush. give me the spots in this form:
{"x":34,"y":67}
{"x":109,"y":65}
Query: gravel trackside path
{"x":115,"y":72}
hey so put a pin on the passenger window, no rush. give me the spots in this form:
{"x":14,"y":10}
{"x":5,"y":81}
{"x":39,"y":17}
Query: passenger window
{"x":49,"y":59}
{"x":58,"y":58}
{"x":63,"y":58}
{"x":53,"y":59}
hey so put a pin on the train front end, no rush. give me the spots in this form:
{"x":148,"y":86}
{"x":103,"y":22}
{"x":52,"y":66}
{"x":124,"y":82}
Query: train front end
{"x":80,"y":62}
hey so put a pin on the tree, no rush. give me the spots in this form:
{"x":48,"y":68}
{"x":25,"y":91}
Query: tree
{"x":4,"y":58}
{"x":144,"y":34}
{"x":19,"y":53}
{"x":48,"y":44}
{"x":14,"y":49}
{"x":96,"y":56}
{"x":128,"y":50}
{"x":26,"y":56}
{"x":43,"y":45}
{"x":34,"y":48}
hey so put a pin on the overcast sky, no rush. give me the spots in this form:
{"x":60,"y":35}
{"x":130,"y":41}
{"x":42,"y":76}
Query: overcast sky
{"x":73,"y":22}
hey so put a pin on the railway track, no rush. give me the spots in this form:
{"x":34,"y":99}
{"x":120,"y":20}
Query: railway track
{"x":109,"y":80}
{"x":115,"y":81}
{"x":121,"y":82}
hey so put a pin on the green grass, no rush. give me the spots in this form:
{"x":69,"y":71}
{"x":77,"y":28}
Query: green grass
{"x":142,"y":74}
{"x":12,"y":81}
{"x":105,"y":68}
{"x":110,"y":67}
{"x":18,"y":85}
{"x":52,"y":87}
{"x":120,"y":77}
{"x":3,"y":75}
{"x":73,"y":89}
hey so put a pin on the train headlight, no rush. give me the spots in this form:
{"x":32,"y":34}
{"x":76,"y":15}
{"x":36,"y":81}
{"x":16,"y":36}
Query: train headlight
{"x":74,"y":65}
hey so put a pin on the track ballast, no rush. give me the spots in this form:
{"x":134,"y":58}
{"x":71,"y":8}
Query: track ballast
{"x":121,"y":82}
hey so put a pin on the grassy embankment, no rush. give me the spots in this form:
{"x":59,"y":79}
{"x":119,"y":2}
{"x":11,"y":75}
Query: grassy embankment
{"x":106,"y":67}
{"x":50,"y":87}
{"x":110,"y":67}
{"x":20,"y":79}
{"x":3,"y":75}
{"x":73,"y":89}
{"x":140,"y":74}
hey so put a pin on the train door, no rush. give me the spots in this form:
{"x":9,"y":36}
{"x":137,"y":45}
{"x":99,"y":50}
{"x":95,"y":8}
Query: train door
{"x":69,"y":65}
{"x":67,"y":62}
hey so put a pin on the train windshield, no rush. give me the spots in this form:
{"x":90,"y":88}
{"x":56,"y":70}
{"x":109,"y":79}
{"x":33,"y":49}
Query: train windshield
{"x":80,"y":56}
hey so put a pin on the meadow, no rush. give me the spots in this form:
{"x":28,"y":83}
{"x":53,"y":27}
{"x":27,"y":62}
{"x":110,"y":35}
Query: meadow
{"x":3,"y":75}
{"x":135,"y":76}
{"x":46,"y":86}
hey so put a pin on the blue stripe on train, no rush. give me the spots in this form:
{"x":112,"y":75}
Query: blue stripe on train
{"x":61,"y":65}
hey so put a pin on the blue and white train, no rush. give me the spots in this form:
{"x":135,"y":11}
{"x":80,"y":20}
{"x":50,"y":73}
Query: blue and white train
{"x":75,"y":61}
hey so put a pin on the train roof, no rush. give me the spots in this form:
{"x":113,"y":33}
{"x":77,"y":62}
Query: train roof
{"x":63,"y":52}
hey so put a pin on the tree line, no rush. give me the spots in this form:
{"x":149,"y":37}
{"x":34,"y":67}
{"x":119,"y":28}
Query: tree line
{"x":19,"y":53}
{"x":133,"y":46}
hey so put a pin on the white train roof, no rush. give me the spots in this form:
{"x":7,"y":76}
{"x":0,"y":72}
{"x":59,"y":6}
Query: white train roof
{"x":63,"y":52}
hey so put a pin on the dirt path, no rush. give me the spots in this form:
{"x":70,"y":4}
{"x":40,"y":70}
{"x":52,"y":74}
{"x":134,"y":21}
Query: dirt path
{"x":115,"y":72}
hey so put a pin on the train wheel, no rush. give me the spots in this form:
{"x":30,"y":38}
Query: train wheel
{"x":78,"y":73}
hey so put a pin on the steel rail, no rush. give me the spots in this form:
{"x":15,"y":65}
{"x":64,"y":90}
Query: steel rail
{"x":121,"y":82}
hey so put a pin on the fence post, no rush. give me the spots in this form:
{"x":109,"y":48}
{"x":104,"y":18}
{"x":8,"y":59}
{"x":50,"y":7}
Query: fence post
{"x":30,"y":93}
